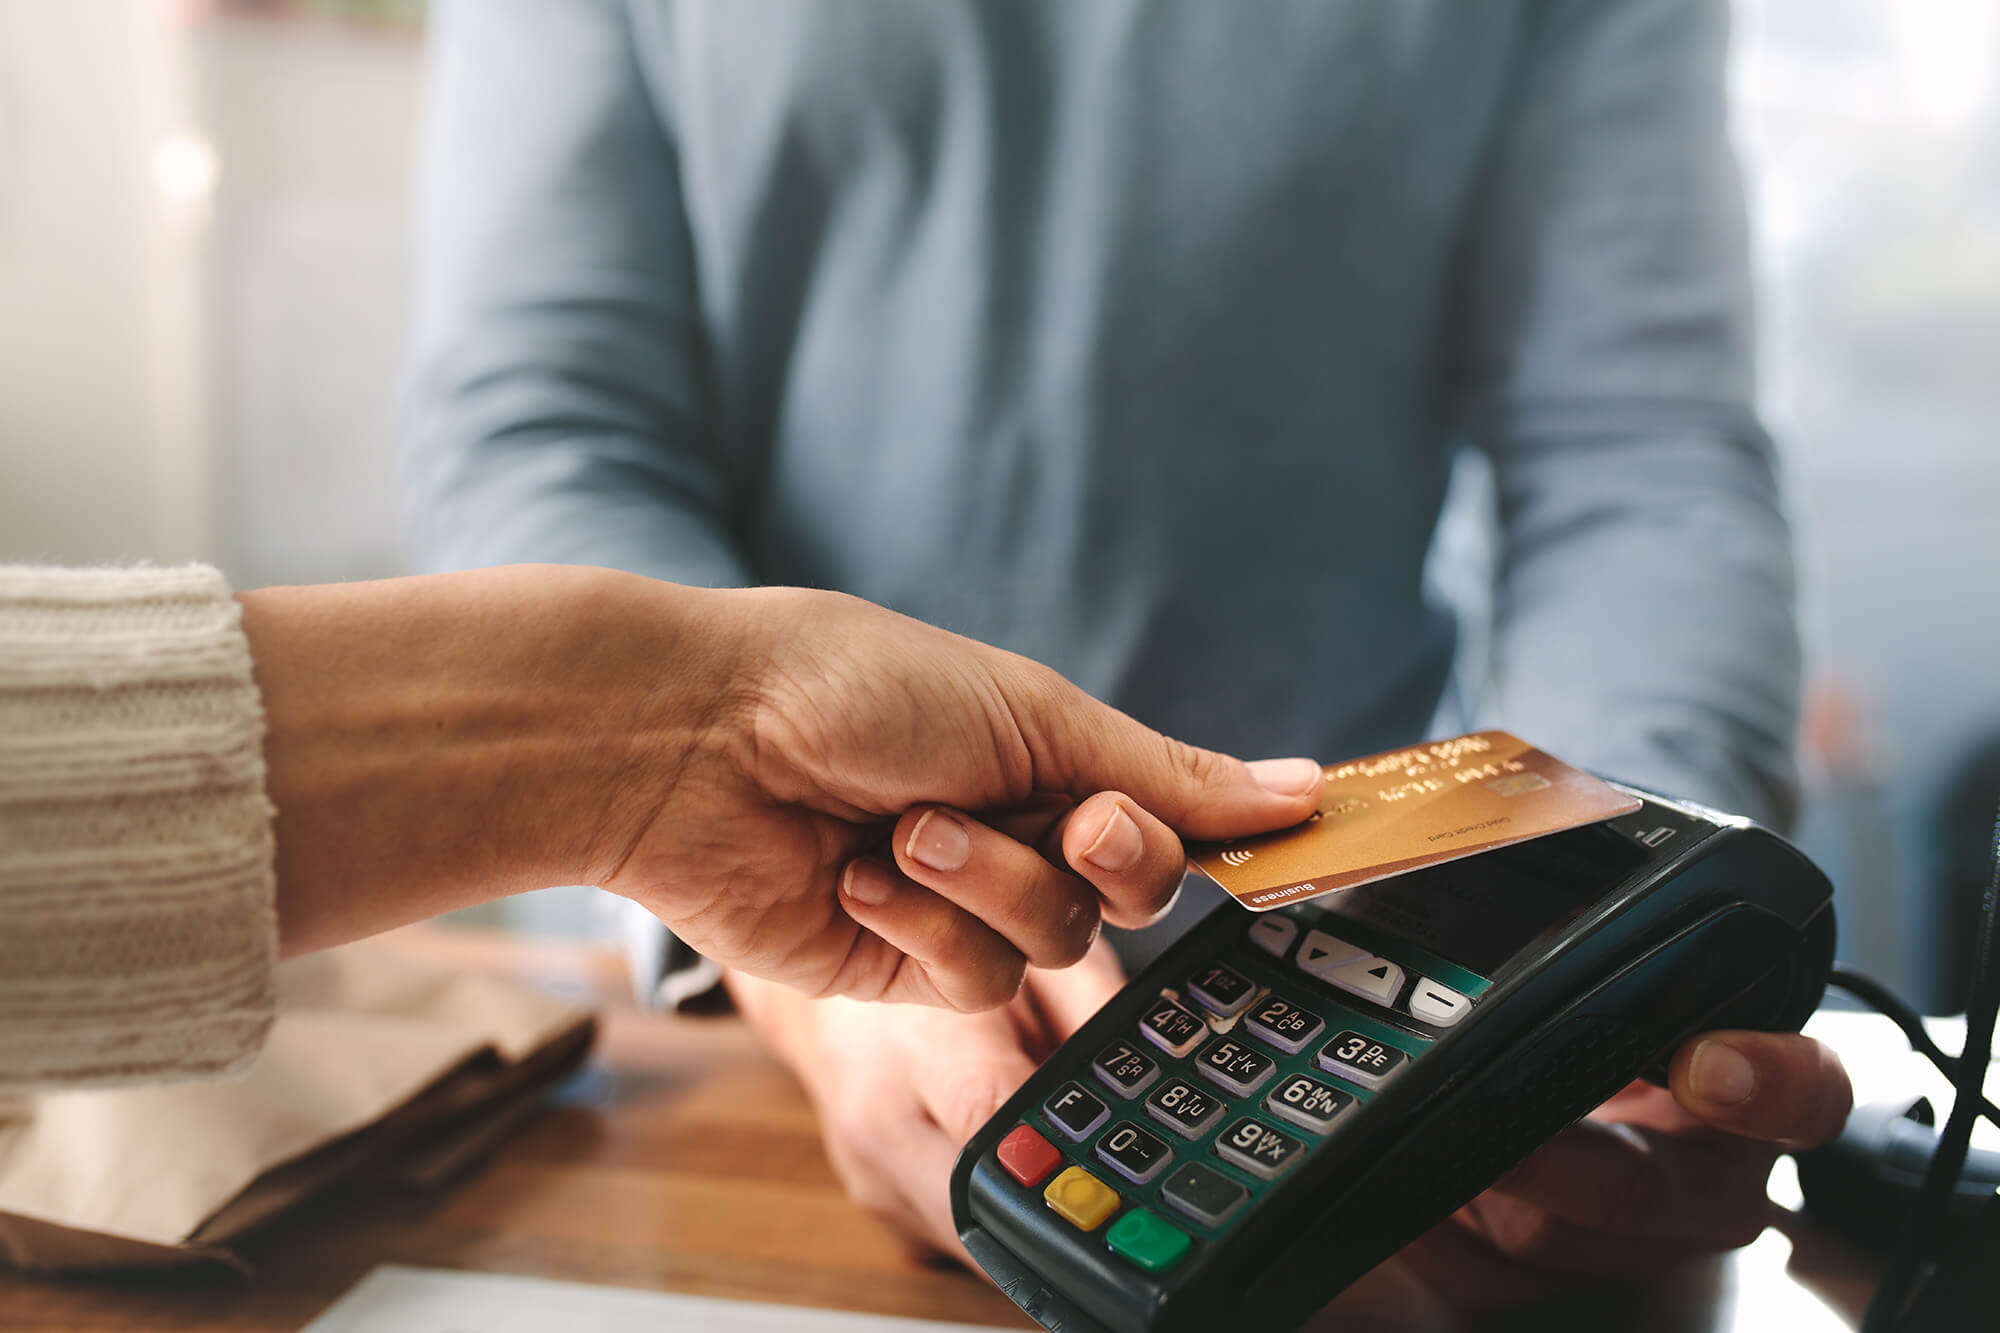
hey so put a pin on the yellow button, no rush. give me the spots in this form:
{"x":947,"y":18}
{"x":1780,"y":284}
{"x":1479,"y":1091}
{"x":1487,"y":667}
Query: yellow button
{"x":1081,"y":1199}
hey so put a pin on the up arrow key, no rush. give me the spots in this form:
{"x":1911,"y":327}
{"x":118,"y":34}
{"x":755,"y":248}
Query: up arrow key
{"x":1370,"y":977}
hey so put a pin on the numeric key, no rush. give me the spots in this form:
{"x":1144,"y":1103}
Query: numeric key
{"x":1257,"y":1148}
{"x":1360,"y":1059}
{"x":1183,"y":1108}
{"x":1124,"y":1069}
{"x":1172,"y":1028}
{"x":1307,"y":1103}
{"x":1235,"y":1065}
{"x":1222,"y":991}
{"x":1283,"y":1024}
{"x":1134,"y":1153}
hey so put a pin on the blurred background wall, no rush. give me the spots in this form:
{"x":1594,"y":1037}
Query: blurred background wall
{"x":204,"y":263}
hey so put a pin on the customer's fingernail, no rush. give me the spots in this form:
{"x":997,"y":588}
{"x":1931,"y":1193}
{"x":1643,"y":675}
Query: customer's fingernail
{"x":939,"y":841}
{"x":1119,"y":844}
{"x":1721,"y":1075}
{"x":1287,"y":777}
{"x":867,"y":883}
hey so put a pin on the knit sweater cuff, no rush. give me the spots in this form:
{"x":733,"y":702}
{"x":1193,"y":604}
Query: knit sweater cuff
{"x":137,"y":916}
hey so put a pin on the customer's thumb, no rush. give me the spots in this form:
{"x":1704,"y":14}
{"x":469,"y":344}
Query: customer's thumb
{"x":1087,"y":747}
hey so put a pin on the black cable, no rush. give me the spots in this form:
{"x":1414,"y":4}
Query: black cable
{"x":1912,"y":1264}
{"x":1881,"y":999}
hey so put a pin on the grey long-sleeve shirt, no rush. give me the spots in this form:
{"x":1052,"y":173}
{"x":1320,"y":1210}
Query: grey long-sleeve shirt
{"x":1135,"y":337}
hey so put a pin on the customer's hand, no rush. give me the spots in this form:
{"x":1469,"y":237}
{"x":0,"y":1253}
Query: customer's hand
{"x":900,"y":1090}
{"x":801,"y":784}
{"x":1655,"y":1176}
{"x":880,"y":809}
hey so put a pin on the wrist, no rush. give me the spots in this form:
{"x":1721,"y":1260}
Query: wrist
{"x":438,"y":741}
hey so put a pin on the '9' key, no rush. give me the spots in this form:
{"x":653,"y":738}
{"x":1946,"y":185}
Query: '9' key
{"x":1257,"y":1148}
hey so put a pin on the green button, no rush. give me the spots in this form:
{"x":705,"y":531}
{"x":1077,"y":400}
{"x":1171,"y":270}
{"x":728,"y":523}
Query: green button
{"x":1147,"y":1241}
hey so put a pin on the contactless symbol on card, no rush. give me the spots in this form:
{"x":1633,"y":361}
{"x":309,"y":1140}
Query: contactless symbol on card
{"x":1390,"y":813}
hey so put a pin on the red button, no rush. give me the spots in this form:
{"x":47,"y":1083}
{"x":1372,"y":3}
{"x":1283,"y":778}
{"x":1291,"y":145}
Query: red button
{"x":1027,"y":1156}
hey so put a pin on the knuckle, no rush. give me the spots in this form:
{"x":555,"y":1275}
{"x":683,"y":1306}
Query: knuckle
{"x":1202,"y":768}
{"x":1050,"y":683}
{"x":1075,"y":945}
{"x":992,"y":986}
{"x":1029,"y":903}
{"x":1073,"y":928}
{"x":976,"y":975}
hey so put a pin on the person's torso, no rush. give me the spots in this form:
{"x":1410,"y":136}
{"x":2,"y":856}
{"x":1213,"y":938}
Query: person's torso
{"x":1115,"y":332}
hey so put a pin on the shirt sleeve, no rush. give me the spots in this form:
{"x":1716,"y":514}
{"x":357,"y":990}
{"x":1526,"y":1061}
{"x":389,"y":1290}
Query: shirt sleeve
{"x":1644,"y":608}
{"x":138,"y":928}
{"x":557,"y":408}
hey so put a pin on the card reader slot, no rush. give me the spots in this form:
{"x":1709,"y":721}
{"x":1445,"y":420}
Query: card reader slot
{"x":1019,"y":1283}
{"x":1103,"y":1291}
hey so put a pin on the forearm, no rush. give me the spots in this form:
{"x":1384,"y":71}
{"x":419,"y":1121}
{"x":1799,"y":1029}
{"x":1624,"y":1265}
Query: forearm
{"x":439,"y":741}
{"x":1645,"y":619}
{"x":558,"y":408}
{"x":600,"y":497}
{"x":1644,"y":610}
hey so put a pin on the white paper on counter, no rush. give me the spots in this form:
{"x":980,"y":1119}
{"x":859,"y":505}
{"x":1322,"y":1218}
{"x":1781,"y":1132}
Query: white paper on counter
{"x":395,"y":1299}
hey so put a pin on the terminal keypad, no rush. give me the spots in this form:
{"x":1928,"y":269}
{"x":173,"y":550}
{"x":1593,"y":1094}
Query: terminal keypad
{"x":1219,"y":1089}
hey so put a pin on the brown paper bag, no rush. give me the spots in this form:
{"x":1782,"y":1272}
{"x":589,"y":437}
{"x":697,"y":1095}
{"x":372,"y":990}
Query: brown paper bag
{"x":378,"y":1064}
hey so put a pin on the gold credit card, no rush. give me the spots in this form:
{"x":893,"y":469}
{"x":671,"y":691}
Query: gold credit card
{"x":1400,"y":810}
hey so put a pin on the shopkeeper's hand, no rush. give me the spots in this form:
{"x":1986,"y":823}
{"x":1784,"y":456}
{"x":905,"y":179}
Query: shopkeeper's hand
{"x":1651,"y":1178}
{"x":1656,"y":1175}
{"x":900,"y":1090}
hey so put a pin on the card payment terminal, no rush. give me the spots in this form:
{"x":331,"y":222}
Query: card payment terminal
{"x":1283,"y":1100}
